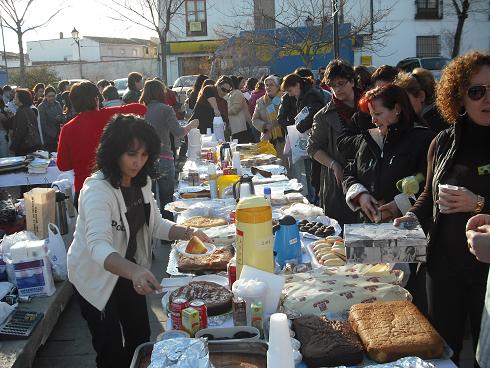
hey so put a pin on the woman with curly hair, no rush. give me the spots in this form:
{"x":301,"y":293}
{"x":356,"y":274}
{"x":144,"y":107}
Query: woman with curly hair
{"x":420,"y":86}
{"x":459,"y":156}
{"x":110,"y":257}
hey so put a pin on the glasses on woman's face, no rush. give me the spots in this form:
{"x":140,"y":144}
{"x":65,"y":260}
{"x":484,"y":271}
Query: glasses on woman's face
{"x":225,"y":90}
{"x":339,"y":84}
{"x":477,"y":92}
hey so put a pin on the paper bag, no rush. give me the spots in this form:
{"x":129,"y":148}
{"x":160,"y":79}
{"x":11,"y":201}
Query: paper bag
{"x":40,"y":210}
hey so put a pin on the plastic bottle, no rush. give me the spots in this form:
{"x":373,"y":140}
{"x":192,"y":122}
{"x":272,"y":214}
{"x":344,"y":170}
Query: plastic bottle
{"x":267,"y":194}
{"x":212,"y":180}
{"x":236,"y":163}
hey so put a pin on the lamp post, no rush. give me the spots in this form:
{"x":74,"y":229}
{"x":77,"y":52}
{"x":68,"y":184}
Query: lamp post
{"x":76,"y":37}
{"x":309,"y":22}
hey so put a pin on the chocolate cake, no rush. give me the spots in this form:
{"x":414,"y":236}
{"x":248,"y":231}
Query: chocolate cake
{"x":326,"y":343}
{"x":217,"y":261}
{"x":216,"y":297}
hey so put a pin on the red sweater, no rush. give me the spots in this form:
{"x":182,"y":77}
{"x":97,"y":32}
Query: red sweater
{"x":80,"y":137}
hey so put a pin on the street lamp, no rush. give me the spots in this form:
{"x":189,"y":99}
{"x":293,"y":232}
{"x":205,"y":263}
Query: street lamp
{"x":309,"y":22}
{"x":76,"y":37}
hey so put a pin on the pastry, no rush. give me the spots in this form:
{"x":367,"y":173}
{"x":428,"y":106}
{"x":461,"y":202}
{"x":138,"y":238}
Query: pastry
{"x":195,"y":246}
{"x":216,"y":261}
{"x":393,"y":330}
{"x":204,"y":221}
{"x":216,"y":297}
{"x":326,"y":343}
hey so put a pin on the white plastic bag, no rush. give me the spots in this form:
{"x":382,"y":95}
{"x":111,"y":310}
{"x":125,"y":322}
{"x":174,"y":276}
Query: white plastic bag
{"x":298,"y":142}
{"x":57,"y":253}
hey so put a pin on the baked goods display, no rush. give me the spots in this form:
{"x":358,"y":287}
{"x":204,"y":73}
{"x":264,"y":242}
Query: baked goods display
{"x":216,"y":297}
{"x":204,"y":221}
{"x":329,"y":251}
{"x":196,"y":246}
{"x":216,"y":261}
{"x":316,"y":228}
{"x":392,"y":330}
{"x":326,"y":343}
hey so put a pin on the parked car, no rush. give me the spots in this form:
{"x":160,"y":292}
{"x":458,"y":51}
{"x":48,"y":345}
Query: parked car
{"x":434,"y":64}
{"x":182,"y":85}
{"x":121,"y":85}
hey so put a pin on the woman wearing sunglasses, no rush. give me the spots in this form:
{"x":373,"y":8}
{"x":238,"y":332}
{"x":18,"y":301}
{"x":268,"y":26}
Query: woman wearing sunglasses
{"x":459,"y":156}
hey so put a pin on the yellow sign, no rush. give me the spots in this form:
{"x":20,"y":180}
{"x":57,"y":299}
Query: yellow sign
{"x":366,"y":60}
{"x":194,"y":47}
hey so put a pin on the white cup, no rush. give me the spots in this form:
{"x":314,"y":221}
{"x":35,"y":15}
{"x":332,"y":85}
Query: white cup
{"x":280,"y":353}
{"x":446,"y":186}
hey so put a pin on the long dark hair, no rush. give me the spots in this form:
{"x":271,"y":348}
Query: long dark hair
{"x":118,"y":137}
{"x":390,"y":95}
{"x":196,"y":88}
{"x":153,"y":90}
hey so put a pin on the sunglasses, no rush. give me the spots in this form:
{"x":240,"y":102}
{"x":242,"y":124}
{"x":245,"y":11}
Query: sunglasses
{"x":477,"y":92}
{"x":225,"y":90}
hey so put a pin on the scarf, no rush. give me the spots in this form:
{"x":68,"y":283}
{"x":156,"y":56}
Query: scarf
{"x":272,"y":108}
{"x":345,"y":111}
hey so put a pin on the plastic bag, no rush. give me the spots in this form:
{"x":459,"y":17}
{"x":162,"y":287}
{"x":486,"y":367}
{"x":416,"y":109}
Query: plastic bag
{"x":57,"y":253}
{"x":298,"y":142}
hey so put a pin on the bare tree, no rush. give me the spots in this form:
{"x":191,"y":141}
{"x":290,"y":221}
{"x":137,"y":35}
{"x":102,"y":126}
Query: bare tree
{"x":155,"y":15}
{"x":14,"y":14}
{"x":462,"y":9}
{"x":304,"y":27}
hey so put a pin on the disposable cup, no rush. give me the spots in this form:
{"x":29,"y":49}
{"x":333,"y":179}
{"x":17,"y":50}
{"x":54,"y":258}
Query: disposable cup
{"x":446,"y":186}
{"x":280,"y":353}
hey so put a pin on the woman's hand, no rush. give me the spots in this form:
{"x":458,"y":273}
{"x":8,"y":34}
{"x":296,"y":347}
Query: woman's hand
{"x":389,"y":211}
{"x":202,"y":235}
{"x":454,"y":201}
{"x":217,"y":113}
{"x":338,"y":171}
{"x":407,"y":221}
{"x":478,"y":235}
{"x":144,"y":282}
{"x":193,"y":124}
{"x":369,"y":206}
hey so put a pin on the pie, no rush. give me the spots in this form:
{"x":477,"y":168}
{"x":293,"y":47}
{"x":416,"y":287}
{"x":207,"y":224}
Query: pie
{"x":217,"y":298}
{"x":204,"y":221}
{"x":216,"y":261}
{"x":195,"y":246}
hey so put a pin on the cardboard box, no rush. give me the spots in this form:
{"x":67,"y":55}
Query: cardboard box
{"x":384,"y":243}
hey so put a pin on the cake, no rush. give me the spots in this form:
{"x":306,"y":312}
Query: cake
{"x":195,"y":246}
{"x":326,"y":343}
{"x":393,"y":330}
{"x":204,"y":221}
{"x":216,"y":261}
{"x":216,"y":297}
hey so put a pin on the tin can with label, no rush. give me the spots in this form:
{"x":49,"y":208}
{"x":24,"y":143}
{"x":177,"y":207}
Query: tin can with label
{"x":176,"y":308}
{"x":239,"y":311}
{"x":209,"y":156}
{"x":231,"y":268}
{"x":200,"y":306}
{"x":257,"y":311}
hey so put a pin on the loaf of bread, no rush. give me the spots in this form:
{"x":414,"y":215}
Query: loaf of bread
{"x":393,"y":330}
{"x":326,"y":343}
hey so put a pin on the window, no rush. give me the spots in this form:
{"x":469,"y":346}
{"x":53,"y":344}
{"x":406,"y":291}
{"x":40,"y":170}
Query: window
{"x":135,"y":52}
{"x":123,"y":52}
{"x":428,"y":46}
{"x":428,"y":9}
{"x":196,"y":18}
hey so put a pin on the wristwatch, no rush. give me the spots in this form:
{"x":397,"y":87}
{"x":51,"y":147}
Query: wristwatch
{"x":480,"y":202}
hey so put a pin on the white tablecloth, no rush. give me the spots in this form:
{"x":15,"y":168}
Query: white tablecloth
{"x":23,"y":178}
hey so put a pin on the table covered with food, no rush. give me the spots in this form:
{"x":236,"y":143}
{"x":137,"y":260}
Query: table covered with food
{"x":281,"y":284}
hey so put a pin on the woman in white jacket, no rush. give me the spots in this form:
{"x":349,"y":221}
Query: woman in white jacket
{"x":110,"y":257}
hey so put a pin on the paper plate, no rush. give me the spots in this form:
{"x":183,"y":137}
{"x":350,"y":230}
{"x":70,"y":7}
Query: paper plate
{"x":180,"y":247}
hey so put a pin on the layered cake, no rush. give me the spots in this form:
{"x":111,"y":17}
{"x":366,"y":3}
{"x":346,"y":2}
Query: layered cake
{"x":393,"y":330}
{"x":216,"y":297}
{"x":216,"y":261}
{"x":326,"y":343}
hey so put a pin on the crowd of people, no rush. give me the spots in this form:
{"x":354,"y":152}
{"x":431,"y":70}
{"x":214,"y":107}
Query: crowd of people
{"x":379,"y":145}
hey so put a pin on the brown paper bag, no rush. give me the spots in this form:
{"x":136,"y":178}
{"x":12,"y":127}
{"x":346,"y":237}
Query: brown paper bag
{"x":40,"y":210}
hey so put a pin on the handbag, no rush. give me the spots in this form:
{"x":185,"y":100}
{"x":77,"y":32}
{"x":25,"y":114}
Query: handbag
{"x":32,"y":138}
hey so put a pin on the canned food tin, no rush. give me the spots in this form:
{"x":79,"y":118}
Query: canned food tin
{"x":176,"y":308}
{"x":231,"y":268}
{"x":200,"y":306}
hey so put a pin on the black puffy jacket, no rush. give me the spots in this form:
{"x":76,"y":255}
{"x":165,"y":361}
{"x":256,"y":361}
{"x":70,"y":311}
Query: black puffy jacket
{"x":312,"y":98}
{"x":404,"y":153}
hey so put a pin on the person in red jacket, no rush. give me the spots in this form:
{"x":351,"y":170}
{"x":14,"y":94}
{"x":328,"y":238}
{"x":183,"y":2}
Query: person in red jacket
{"x":80,"y":137}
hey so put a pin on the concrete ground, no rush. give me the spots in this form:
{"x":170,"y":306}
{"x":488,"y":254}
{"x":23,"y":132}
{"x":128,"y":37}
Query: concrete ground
{"x":70,"y":343}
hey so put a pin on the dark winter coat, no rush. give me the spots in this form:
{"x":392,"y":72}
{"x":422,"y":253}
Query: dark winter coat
{"x":25,"y":133}
{"x":312,"y":98}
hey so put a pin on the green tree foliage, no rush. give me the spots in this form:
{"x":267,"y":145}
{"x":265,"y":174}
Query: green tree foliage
{"x":41,"y":74}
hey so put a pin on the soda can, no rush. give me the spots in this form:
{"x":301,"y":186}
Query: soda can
{"x":176,"y":308}
{"x":231,"y":268}
{"x":232,"y":217}
{"x":257,"y":311}
{"x":209,"y":156}
{"x":239,"y":311}
{"x":226,"y":170}
{"x":200,"y":306}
